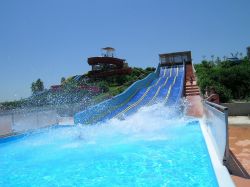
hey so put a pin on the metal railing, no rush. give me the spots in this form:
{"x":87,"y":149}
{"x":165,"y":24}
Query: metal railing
{"x":184,"y":79}
{"x":217,"y":122}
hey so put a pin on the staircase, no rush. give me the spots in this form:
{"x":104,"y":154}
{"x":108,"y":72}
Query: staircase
{"x":191,"y":89}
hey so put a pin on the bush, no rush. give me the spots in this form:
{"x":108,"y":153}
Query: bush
{"x":104,"y":86}
{"x":150,"y":69}
{"x":230,"y":80}
{"x":121,"y":79}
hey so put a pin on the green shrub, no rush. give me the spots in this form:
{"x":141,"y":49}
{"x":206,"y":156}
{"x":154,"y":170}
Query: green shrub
{"x":104,"y":86}
{"x":231,"y":80}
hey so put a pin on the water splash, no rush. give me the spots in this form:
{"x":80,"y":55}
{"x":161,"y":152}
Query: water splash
{"x":148,"y":123}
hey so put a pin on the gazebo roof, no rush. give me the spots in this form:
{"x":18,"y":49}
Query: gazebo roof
{"x":109,"y":48}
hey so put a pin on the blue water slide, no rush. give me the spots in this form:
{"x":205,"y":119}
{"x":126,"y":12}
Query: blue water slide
{"x":122,"y":107}
{"x":142,"y":99}
{"x":138,"y":98}
{"x":94,"y":113}
{"x":142,"y":102}
{"x":164,"y":90}
{"x":165,"y":84}
{"x":175,"y":92}
{"x":77,"y":77}
{"x":152,"y":93}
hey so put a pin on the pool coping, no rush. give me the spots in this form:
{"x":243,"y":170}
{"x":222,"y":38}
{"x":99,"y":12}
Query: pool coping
{"x":223,"y":177}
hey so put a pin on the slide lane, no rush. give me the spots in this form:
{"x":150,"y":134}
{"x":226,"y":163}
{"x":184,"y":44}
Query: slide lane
{"x":165,"y":88}
{"x":173,"y":87}
{"x":174,"y":95}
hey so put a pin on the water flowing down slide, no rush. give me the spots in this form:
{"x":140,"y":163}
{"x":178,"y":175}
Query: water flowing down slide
{"x":165,"y":85}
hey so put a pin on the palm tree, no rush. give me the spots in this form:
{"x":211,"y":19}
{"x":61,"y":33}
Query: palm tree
{"x":40,"y":86}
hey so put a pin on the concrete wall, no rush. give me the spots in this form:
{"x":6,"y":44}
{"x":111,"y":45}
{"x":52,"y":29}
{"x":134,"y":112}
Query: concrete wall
{"x":238,"y":109}
{"x":21,"y":121}
{"x":5,"y":124}
{"x":34,"y":120}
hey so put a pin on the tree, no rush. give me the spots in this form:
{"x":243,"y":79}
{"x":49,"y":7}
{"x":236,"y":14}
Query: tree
{"x":121,"y":79}
{"x":217,"y":60}
{"x":212,"y":57}
{"x":63,"y":80}
{"x":230,"y":80}
{"x":150,"y":69}
{"x":37,"y":86}
{"x":241,"y":55}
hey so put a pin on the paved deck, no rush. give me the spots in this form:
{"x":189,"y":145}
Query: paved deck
{"x":239,"y":142}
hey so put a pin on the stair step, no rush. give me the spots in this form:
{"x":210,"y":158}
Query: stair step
{"x":195,"y":91}
{"x":192,"y":90}
{"x":187,"y":90}
{"x":191,"y":86}
{"x":192,"y":94}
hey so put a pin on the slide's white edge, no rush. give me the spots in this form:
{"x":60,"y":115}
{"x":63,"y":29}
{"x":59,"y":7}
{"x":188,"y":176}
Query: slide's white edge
{"x":223,"y":177}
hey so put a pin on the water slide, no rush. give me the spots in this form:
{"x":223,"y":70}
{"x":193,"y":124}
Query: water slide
{"x":165,"y":85}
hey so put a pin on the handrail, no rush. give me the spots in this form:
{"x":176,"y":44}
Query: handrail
{"x":184,"y":79}
{"x":224,"y":110}
{"x":196,"y":78}
{"x":216,"y":105}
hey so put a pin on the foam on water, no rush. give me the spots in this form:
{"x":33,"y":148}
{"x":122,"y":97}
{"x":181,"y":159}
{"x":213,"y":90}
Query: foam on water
{"x":153,"y":147}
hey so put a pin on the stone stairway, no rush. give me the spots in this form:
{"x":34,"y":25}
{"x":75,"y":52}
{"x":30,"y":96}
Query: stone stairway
{"x":191,"y":89}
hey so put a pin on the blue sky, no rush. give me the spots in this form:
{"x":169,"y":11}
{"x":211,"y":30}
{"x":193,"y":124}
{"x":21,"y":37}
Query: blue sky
{"x":50,"y":39}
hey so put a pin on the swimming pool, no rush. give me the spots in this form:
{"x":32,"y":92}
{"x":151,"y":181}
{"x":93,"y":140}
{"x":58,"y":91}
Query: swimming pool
{"x":133,"y":152}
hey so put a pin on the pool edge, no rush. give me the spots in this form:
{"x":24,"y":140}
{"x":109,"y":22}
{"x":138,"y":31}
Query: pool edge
{"x":223,"y":177}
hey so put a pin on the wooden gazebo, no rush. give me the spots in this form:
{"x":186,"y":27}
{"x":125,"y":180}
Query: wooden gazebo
{"x":108,"y":65}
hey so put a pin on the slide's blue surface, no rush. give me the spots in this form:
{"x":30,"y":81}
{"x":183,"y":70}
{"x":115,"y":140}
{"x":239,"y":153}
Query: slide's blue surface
{"x":164,"y":85}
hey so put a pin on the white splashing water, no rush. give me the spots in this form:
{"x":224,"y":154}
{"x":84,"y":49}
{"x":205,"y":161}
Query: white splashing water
{"x":148,"y":122}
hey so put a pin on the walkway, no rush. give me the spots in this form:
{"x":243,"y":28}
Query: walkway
{"x":192,"y":93}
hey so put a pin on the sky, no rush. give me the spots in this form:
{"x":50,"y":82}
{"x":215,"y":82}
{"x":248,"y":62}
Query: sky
{"x":50,"y":39}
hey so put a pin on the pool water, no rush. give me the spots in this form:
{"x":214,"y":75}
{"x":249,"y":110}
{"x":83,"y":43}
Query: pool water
{"x":133,"y":152}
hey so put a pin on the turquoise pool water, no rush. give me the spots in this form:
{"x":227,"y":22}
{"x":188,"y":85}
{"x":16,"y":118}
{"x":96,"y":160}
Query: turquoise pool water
{"x":169,"y":153}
